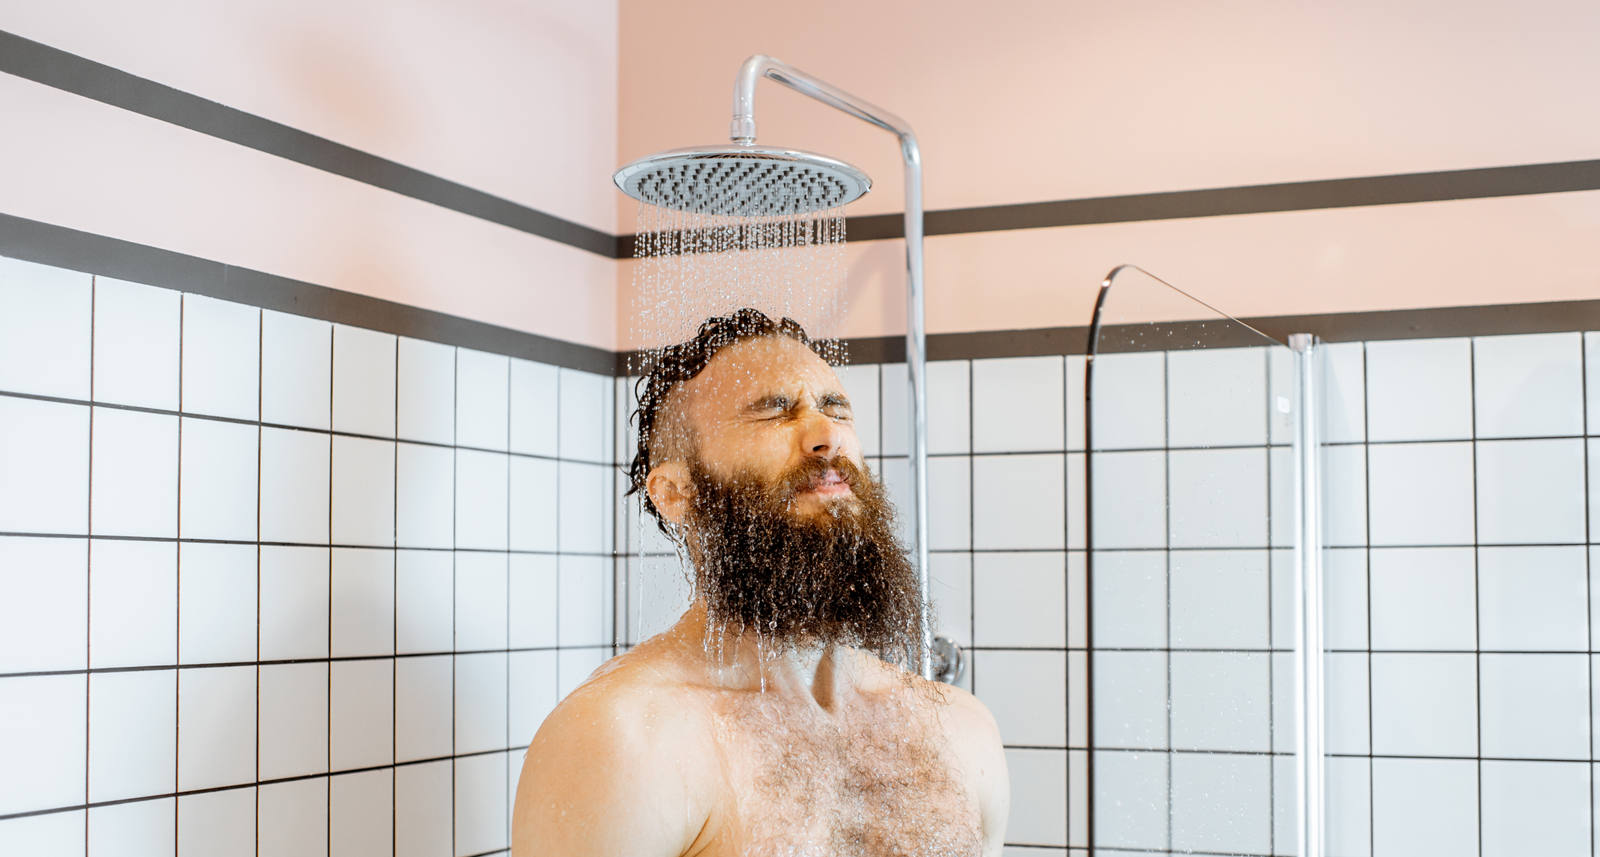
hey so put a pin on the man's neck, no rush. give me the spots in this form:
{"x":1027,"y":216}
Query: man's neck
{"x":823,"y":672}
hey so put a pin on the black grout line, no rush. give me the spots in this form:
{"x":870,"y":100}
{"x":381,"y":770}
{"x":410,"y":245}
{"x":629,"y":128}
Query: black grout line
{"x":177,"y":594}
{"x":88,"y":570}
{"x":261,"y":377}
{"x":1366,"y":522}
{"x":1477,"y":616}
{"x":1588,"y":567}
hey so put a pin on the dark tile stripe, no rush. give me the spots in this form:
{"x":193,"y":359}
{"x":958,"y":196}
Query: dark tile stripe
{"x":48,"y":244}
{"x":41,"y":63}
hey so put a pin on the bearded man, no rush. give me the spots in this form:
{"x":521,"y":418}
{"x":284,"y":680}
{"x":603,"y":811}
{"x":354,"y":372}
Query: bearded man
{"x":777,"y":716}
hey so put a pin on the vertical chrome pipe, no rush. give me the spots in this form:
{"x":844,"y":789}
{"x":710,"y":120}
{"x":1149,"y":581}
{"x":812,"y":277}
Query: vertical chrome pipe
{"x":1308,"y":589}
{"x":742,"y":130}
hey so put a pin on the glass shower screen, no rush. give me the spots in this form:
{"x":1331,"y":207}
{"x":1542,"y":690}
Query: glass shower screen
{"x":1191,"y":569}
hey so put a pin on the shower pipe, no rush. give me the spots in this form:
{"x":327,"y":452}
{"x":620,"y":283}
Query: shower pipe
{"x":743,"y":132}
{"x":1309,"y":635}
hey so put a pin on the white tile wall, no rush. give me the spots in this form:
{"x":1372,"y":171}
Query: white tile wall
{"x":245,"y":502}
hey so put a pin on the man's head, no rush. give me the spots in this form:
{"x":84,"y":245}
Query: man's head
{"x":748,"y":454}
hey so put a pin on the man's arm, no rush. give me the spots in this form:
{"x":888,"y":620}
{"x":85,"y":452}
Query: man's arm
{"x":611,"y":772}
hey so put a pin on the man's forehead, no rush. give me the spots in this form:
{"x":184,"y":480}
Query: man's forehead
{"x":760,"y":366}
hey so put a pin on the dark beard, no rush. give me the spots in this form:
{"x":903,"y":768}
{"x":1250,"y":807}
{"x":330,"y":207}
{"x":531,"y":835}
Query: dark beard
{"x":838,"y":577}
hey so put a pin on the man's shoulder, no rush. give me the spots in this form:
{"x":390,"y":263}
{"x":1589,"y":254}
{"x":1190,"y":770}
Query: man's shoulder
{"x":630,"y":700}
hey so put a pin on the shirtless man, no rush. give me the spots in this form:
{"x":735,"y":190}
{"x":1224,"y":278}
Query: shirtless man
{"x":806,"y":738}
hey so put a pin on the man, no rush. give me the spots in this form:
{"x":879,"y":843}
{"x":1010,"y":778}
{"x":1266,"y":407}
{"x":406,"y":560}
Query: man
{"x":777,"y":716}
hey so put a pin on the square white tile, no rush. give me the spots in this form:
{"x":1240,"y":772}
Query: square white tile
{"x":1533,"y":598}
{"x":219,"y":822}
{"x":533,"y":507}
{"x":361,"y":819}
{"x":422,"y":706}
{"x":1221,"y":803}
{"x":136,"y":329}
{"x":1531,"y":491}
{"x":216,"y":603}
{"x":575,"y":666}
{"x":1535,"y":808}
{"x":295,"y":486}
{"x":533,"y":601}
{"x":1591,"y":393}
{"x":423,"y":598}
{"x":44,"y":329}
{"x":1424,"y":704}
{"x":362,"y":602}
{"x":363,"y":511}
{"x":216,"y":728}
{"x":533,"y":407}
{"x":1075,"y":405}
{"x":362,"y":713}
{"x":480,"y":804}
{"x":483,"y":399}
{"x":949,"y":499}
{"x":583,"y":498}
{"x":659,"y":591}
{"x":1130,"y":599}
{"x":221,"y":358}
{"x":949,"y":590}
{"x":1217,"y":397}
{"x":949,"y":385}
{"x":1424,"y":598}
{"x":1026,"y":692}
{"x":1129,"y":401}
{"x":1131,"y":808}
{"x":1419,"y":389}
{"x":1220,"y":701}
{"x":134,"y":476}
{"x":482,"y":482}
{"x":1421,"y":494}
{"x":585,"y":416}
{"x":1345,"y":599}
{"x":1218,"y":497}
{"x":532,"y":693}
{"x":1344,"y":387}
{"x":1219,"y":599}
{"x":480,"y":601}
{"x":293,"y":731}
{"x":1418,"y":806}
{"x":55,"y":833}
{"x":293,"y":818}
{"x":42,"y":622}
{"x":861,"y":387}
{"x":1018,"y":502}
{"x":146,"y":828}
{"x":1345,"y":679}
{"x":1018,"y":404}
{"x":1130,"y":699}
{"x":1529,"y":385}
{"x":1129,"y":500}
{"x":294,"y":602}
{"x":480,"y":701}
{"x":1019,"y":599}
{"x":1535,"y":706}
{"x":217,"y":480}
{"x":134,"y":602}
{"x":363,"y":381}
{"x":425,"y":391}
{"x":422,"y":809}
{"x":1344,"y":494}
{"x":44,"y":454}
{"x":296,"y":370}
{"x":44,"y":719}
{"x":1038,"y":792}
{"x":584,"y":606}
{"x":424,"y":496}
{"x":133,"y":734}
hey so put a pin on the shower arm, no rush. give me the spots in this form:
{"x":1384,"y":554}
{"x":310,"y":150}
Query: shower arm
{"x":743,"y":132}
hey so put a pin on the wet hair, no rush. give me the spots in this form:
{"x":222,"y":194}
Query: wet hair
{"x":668,"y":367}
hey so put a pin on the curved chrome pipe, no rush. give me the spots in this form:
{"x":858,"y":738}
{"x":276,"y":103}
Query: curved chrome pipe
{"x":743,"y":132}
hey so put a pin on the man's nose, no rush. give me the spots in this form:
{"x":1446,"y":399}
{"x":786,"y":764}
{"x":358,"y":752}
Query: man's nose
{"x":822,"y":435}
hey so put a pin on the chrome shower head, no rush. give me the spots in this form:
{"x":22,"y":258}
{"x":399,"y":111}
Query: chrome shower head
{"x":742,"y":181}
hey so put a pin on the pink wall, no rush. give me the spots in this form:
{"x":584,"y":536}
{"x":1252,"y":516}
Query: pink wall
{"x":515,"y":99}
{"x":1036,"y":101}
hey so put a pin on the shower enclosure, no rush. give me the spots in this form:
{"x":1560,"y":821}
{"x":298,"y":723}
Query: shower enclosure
{"x":1203,"y":581}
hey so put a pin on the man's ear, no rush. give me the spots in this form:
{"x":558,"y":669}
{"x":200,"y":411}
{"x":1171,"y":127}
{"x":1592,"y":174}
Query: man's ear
{"x":670,"y":489}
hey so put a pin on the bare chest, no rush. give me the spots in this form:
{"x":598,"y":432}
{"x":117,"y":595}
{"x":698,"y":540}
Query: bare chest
{"x":866,"y":785}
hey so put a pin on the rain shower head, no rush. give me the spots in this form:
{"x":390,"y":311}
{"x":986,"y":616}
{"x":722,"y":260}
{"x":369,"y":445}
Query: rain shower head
{"x":742,"y":181}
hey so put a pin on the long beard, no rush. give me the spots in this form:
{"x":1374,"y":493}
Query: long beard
{"x":839,"y":577}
